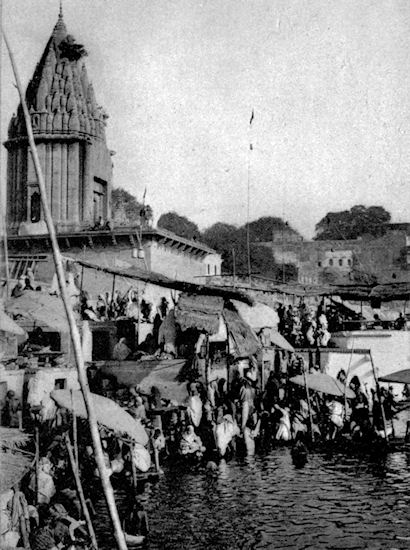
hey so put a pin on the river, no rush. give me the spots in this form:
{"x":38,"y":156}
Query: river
{"x":334,"y":502}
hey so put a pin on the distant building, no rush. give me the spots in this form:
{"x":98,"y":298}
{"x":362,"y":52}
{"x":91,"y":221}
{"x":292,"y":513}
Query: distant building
{"x":385,"y":258}
{"x":69,"y":129}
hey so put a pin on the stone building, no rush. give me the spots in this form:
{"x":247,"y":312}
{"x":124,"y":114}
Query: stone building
{"x":383,"y":259}
{"x":69,"y":130}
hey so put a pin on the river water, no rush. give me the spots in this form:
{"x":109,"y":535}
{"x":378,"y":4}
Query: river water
{"x":335,"y":501}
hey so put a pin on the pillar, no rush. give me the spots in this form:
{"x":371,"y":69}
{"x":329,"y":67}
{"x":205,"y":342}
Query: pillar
{"x":87,"y":185}
{"x":73,"y":183}
{"x":56,"y":182}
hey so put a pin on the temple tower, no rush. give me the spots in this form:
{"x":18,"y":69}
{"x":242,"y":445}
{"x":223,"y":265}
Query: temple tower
{"x":69,"y":130}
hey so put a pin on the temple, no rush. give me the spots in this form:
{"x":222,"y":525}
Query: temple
{"x":69,"y":130}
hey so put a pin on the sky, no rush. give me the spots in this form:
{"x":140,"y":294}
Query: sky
{"x":328,"y":82}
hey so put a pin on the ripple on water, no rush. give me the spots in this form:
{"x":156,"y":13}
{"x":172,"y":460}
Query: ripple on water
{"x":335,"y":502}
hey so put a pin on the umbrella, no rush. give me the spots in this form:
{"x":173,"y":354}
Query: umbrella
{"x":8,"y":325}
{"x":400,"y":377}
{"x":324,"y":383}
{"x":107,"y":411}
{"x":13,"y":466}
{"x":279,"y":341}
{"x":12,"y":438}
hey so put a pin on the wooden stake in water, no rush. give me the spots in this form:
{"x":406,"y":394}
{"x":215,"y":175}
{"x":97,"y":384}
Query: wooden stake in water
{"x":75,"y":335}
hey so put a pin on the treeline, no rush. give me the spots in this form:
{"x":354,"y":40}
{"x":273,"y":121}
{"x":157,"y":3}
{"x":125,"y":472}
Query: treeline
{"x":231,"y":241}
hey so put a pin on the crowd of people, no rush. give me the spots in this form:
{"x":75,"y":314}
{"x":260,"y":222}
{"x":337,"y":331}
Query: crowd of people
{"x":241,"y":417}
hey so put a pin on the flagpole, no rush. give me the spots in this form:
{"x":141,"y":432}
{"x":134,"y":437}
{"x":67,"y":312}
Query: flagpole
{"x":248,"y":243}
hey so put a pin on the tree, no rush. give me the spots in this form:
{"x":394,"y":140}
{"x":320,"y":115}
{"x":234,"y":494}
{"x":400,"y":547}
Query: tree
{"x":351,"y":224}
{"x":231,"y":242}
{"x":180,"y":225}
{"x":126,"y":209}
{"x":263,"y":229}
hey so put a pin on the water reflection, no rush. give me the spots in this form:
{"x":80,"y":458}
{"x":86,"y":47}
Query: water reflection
{"x":335,"y":501}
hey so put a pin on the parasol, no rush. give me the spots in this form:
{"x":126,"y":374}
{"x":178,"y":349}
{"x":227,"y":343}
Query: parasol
{"x":399,"y":377}
{"x":324,"y":383}
{"x":12,"y":438}
{"x":13,"y":466}
{"x":279,"y":341}
{"x":107,"y":411}
{"x":8,"y":325}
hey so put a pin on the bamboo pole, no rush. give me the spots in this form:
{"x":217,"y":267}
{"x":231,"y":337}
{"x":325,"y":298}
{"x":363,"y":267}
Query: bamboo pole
{"x":312,"y":435}
{"x":347,"y":377}
{"x":133,"y":467}
{"x":80,"y":492}
{"x":207,"y":364}
{"x":386,"y":437}
{"x":75,"y":432}
{"x":75,"y":336}
{"x":37,"y":457}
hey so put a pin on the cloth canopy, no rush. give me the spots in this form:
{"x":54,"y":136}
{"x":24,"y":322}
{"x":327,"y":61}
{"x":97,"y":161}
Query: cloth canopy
{"x":39,"y":308}
{"x":200,"y":312}
{"x":399,"y":377}
{"x":165,"y":378}
{"x":243,"y":342}
{"x":107,"y":411}
{"x":323,"y":383}
{"x":258,"y":316}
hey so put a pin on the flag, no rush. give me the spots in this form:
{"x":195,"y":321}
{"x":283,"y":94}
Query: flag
{"x":252,"y":117}
{"x":144,"y":195}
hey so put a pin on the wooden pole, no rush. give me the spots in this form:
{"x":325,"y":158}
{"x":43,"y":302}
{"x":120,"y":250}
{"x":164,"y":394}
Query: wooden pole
{"x":227,"y":362}
{"x":75,"y":432}
{"x":312,"y":435}
{"x":37,"y":458}
{"x":347,"y":377}
{"x":112,"y":292}
{"x":82,"y":278}
{"x":139,"y":317}
{"x":207,"y":364}
{"x":379,"y":395}
{"x":80,"y":492}
{"x":75,"y":335}
{"x":134,"y":470}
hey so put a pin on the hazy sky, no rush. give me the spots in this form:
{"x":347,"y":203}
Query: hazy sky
{"x":329,"y":82}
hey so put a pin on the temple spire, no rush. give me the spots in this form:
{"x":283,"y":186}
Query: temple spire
{"x":60,"y":30}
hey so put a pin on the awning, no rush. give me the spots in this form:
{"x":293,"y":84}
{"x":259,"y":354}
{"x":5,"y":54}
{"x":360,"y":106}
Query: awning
{"x":148,"y":372}
{"x":200,"y":312}
{"x":243,"y":342}
{"x":165,"y":282}
{"x":323,"y":383}
{"x":398,"y":377}
{"x":258,"y":316}
{"x":39,"y":308}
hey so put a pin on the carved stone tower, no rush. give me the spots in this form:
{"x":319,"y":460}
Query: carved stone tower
{"x":69,"y":130}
